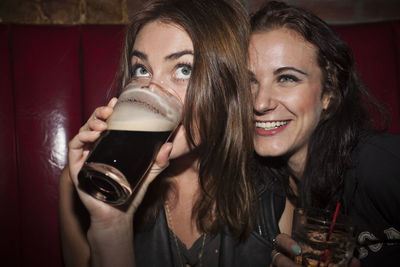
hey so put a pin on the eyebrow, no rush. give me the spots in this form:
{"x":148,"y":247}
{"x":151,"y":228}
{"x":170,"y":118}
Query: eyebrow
{"x":172,"y":56}
{"x":139,"y":55}
{"x":178,"y":54}
{"x":289,"y":68}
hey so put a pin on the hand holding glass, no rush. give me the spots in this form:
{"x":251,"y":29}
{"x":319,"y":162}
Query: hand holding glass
{"x":143,"y":119}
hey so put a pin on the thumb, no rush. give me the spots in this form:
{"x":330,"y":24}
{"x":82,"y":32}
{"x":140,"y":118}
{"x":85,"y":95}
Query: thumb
{"x":160,"y":164}
{"x":162,"y":160}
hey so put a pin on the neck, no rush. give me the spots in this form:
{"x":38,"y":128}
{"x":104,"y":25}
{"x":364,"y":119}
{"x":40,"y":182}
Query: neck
{"x":183,"y":166}
{"x":184,"y":192}
{"x":184,"y":174}
{"x":297,"y":163}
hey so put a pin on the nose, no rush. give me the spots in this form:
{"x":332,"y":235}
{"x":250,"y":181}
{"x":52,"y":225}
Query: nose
{"x":158,"y":84}
{"x":264,"y":100}
{"x":154,"y":83}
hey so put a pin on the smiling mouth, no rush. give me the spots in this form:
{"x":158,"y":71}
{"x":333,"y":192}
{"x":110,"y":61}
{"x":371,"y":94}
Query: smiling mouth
{"x":270,"y":125}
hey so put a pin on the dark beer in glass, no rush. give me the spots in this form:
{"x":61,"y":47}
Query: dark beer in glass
{"x":142,"y":120}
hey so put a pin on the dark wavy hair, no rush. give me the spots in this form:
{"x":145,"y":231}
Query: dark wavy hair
{"x":341,"y":125}
{"x":217,"y":109}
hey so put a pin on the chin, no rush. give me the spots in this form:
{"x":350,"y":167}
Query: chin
{"x":179,"y":151}
{"x":269,"y":151}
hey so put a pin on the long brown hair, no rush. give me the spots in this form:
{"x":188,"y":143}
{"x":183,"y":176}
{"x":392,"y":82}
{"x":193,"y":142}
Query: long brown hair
{"x":217,"y":110}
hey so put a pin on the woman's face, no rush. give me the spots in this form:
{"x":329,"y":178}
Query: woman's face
{"x":163,"y":57}
{"x":286,"y":87}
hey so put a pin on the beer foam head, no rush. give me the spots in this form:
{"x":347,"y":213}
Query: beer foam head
{"x":144,"y":109}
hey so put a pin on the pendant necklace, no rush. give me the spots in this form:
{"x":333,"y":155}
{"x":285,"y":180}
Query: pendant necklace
{"x":169,"y":218}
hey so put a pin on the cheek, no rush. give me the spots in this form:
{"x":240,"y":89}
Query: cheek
{"x":309,"y":105}
{"x":181,"y":91}
{"x":315,"y":109}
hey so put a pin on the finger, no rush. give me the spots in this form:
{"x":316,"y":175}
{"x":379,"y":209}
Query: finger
{"x":161,"y":162}
{"x":112,"y":102}
{"x":78,"y":151}
{"x":162,"y":159}
{"x":103,"y":113}
{"x":100,"y":113}
{"x":158,"y":166}
{"x":281,"y":260}
{"x":97,"y":121}
{"x":287,"y":245}
{"x":86,"y":127}
{"x":83,"y":138}
{"x":96,"y":125}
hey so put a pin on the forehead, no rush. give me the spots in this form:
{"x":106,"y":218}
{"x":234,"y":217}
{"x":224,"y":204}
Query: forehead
{"x":162,"y":36}
{"x":282,"y":46}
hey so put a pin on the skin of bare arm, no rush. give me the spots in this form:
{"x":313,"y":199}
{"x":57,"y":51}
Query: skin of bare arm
{"x":75,"y":247}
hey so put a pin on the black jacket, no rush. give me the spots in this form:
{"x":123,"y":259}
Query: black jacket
{"x":152,"y":248}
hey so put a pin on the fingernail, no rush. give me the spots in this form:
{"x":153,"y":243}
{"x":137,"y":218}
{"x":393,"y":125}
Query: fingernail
{"x":169,"y":148}
{"x":113,"y":101}
{"x":296,"y":249}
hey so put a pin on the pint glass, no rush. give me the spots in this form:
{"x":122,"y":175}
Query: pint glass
{"x":142,"y":120}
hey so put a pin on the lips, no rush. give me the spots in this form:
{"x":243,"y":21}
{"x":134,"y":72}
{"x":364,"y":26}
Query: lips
{"x":267,"y":128}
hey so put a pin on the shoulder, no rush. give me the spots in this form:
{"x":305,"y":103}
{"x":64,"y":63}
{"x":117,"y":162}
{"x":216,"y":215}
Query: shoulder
{"x":373,"y":193}
{"x":384,"y":144}
{"x":377,"y":155}
{"x":377,"y":168}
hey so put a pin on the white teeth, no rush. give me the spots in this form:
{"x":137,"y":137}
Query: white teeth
{"x":270,"y":125}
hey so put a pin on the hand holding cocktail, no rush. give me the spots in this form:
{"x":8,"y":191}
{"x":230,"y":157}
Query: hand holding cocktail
{"x":320,"y":238}
{"x":326,"y":238}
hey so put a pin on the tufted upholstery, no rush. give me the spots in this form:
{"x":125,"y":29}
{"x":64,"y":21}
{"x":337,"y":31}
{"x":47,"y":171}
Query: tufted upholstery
{"x":52,"y":78}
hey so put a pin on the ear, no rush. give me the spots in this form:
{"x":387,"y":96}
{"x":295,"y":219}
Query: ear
{"x":326,"y":100}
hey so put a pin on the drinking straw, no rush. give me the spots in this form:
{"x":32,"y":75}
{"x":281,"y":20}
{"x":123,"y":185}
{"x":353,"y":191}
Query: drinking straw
{"x":333,"y":221}
{"x":326,"y":252}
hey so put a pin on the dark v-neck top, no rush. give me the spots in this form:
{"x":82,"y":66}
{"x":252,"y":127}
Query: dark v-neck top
{"x":191,"y":256}
{"x":153,"y":248}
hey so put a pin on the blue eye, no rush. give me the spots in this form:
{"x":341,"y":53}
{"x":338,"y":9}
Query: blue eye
{"x":287,"y":78}
{"x":139,"y":71}
{"x":183,"y":71}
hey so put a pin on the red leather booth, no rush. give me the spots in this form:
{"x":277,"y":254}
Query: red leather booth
{"x":52,"y":78}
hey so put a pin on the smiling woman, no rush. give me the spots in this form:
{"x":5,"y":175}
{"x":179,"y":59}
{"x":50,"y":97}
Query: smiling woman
{"x":288,"y":96}
{"x":314,"y":134}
